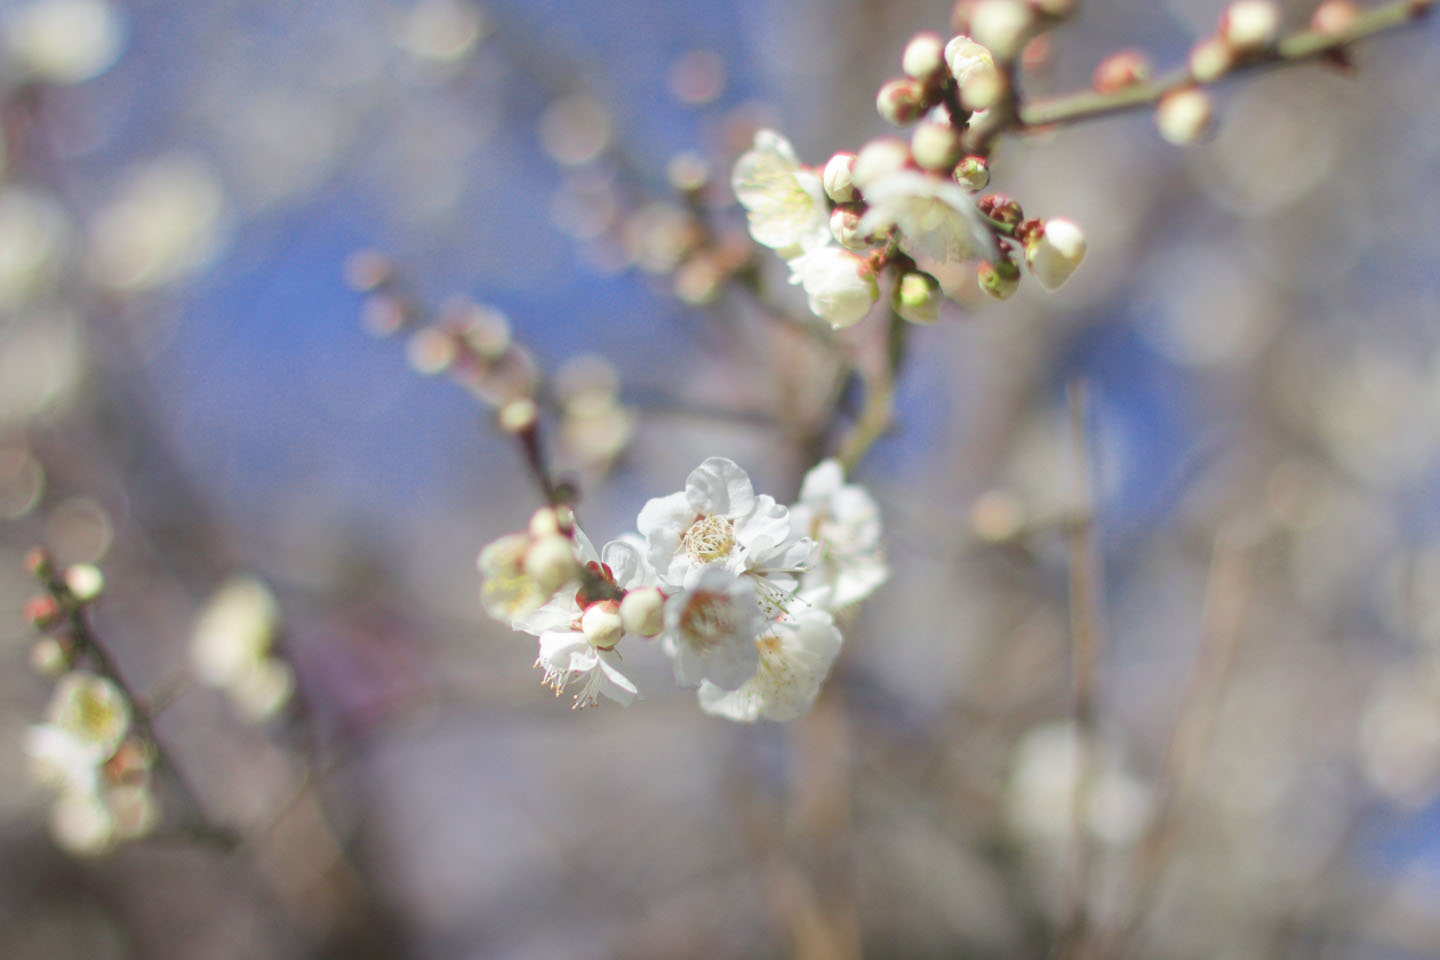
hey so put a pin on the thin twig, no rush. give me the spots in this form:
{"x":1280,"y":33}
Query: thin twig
{"x":1084,"y":567}
{"x":876,"y":416}
{"x":1297,"y":47}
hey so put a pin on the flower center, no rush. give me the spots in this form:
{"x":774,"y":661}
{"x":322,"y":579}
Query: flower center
{"x":709,"y":538}
{"x":707,"y":620}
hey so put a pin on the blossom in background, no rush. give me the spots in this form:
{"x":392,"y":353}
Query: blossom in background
{"x":844,"y":519}
{"x":101,"y":779}
{"x":1041,"y":793}
{"x":230,"y":648}
{"x":793,"y":658}
{"x":839,"y":285}
{"x":934,"y":217}
{"x":785,"y":203}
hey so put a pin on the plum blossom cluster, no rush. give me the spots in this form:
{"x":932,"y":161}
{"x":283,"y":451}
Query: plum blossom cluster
{"x":739,"y":592}
{"x":901,"y":207}
{"x":99,"y":770}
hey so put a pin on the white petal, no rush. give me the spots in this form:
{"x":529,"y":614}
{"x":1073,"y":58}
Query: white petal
{"x":719,"y":487}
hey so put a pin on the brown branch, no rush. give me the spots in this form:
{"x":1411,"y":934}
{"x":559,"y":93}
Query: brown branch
{"x":1295,"y":48}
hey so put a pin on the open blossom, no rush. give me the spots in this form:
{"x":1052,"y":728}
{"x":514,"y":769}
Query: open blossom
{"x":785,"y":203}
{"x":710,"y":629}
{"x":839,"y":285}
{"x":718,"y":520}
{"x":934,"y":217}
{"x":792,"y":660}
{"x":573,"y":657}
{"x":845,"y":521}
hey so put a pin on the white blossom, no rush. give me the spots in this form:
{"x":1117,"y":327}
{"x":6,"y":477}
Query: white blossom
{"x":1054,"y":254}
{"x":785,"y":203}
{"x":839,"y":285}
{"x":793,"y":658}
{"x":718,"y":520}
{"x":844,"y":519}
{"x":568,"y":658}
{"x":934,"y":216}
{"x":710,"y":629}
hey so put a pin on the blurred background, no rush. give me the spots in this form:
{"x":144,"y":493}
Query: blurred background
{"x":191,"y":390}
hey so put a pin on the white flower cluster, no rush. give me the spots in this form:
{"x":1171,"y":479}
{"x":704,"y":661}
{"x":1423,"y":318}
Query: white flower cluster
{"x":903,"y":205}
{"x":100,"y":773}
{"x":740,"y":592}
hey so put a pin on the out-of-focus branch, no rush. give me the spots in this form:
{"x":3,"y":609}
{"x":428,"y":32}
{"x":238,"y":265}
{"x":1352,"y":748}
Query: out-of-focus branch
{"x":1295,"y":48}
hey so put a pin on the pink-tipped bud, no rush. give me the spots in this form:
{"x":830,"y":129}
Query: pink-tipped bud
{"x":43,"y":612}
{"x":900,"y":101}
{"x":972,"y":173}
{"x":839,"y":177}
{"x":1334,"y":17}
{"x":1250,"y":26}
{"x":924,"y":57}
{"x":1126,"y":68}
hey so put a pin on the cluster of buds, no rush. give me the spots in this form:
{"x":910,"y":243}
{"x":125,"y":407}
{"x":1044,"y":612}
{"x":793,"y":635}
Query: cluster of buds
{"x":87,"y":752}
{"x":738,"y":591}
{"x":475,"y":346}
{"x":906,"y":207}
{"x":232,"y":644}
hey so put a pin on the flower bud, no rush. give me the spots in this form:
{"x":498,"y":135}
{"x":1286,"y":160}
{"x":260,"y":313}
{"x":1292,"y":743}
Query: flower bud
{"x":839,"y":286}
{"x":982,"y":89}
{"x":964,"y":56}
{"x":548,"y":520}
{"x":845,"y":225}
{"x":518,"y":415}
{"x":879,"y":158}
{"x":973,"y":173}
{"x":50,"y":656}
{"x":551,"y":562}
{"x":916,"y":298}
{"x":1183,"y":115}
{"x":84,"y":581}
{"x":1002,"y":25}
{"x":839,"y":177}
{"x":1053,"y":252}
{"x":936,"y":146}
{"x":1210,"y":59}
{"x":43,"y":612}
{"x":900,"y":101}
{"x":1250,"y":26}
{"x":642,"y":611}
{"x":602,"y":625}
{"x":1125,"y":68}
{"x":997,"y":206}
{"x":1333,"y":17}
{"x":924,"y":57}
{"x":999,"y":279}
{"x":38,"y":562}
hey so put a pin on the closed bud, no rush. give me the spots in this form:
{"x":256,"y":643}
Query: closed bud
{"x":999,"y":279}
{"x":551,"y":520}
{"x":839,"y":178}
{"x":84,"y":581}
{"x":43,"y":612}
{"x":1334,"y":17}
{"x":1210,"y":59}
{"x":964,"y":57}
{"x":982,"y":89}
{"x":1053,"y":253}
{"x":973,"y":173}
{"x":518,"y":415}
{"x":900,"y":101}
{"x":1250,"y":26}
{"x":642,"y":611}
{"x":1003,"y":26}
{"x":1183,"y":115}
{"x":917,"y":298}
{"x":38,"y":562}
{"x":845,"y":225}
{"x":551,"y":562}
{"x":936,"y":146}
{"x":1120,"y":70}
{"x":50,"y":656}
{"x":602,"y":625}
{"x":997,"y":206}
{"x":924,"y":57}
